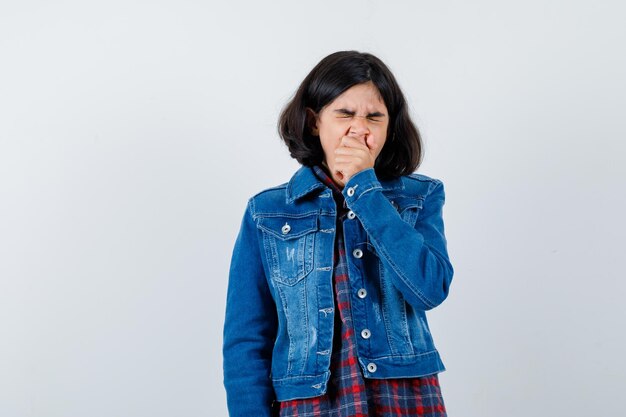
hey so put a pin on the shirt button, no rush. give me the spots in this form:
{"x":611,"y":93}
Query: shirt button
{"x":350,"y":192}
{"x":371,"y":367}
{"x":357,"y":253}
{"x":286,"y":228}
{"x":362,"y":293}
{"x":365,"y":333}
{"x":351,"y":214}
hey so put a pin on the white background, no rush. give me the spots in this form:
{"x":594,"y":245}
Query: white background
{"x":132,"y":134}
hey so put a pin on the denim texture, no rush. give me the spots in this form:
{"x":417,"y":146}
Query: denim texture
{"x":278,"y":328}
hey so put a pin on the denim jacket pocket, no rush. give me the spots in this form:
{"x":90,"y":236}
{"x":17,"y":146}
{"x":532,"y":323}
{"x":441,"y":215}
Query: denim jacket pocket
{"x":289,"y":242}
{"x":408,"y":207}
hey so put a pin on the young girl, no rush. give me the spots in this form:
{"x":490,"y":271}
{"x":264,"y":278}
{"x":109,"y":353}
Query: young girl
{"x":332,"y":272}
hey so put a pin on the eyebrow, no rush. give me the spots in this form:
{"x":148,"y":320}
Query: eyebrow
{"x":352,"y":113}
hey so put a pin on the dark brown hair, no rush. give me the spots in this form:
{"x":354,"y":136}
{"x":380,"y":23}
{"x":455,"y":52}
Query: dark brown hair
{"x":402,"y":151}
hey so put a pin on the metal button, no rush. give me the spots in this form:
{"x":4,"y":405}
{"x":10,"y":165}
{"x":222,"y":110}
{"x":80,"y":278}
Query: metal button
{"x":351,"y":214}
{"x":286,"y":228}
{"x":357,"y":253}
{"x":362,"y":293}
{"x":371,"y":367}
{"x":393,"y":203}
{"x":365,"y":333}
{"x":350,"y":192}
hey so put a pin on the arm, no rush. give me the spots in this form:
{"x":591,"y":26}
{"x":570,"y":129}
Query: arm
{"x":249,"y":328}
{"x":418,"y":256}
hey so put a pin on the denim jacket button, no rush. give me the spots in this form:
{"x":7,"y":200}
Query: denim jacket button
{"x":286,"y":228}
{"x":371,"y":367}
{"x":362,"y":293}
{"x":350,"y":192}
{"x":365,"y":333}
{"x":357,"y":253}
{"x":394,"y":204}
{"x":351,"y":214}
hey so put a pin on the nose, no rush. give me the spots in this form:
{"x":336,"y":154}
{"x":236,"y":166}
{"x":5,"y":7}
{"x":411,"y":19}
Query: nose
{"x":358,"y":127}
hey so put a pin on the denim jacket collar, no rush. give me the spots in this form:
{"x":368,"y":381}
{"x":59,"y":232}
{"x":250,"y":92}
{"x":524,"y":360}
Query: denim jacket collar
{"x":304,"y":181}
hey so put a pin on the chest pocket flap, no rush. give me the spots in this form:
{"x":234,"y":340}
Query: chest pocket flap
{"x":289,"y":243}
{"x":286,"y":228}
{"x":408,"y":207}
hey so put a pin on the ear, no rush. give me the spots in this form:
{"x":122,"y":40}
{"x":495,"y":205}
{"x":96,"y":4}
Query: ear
{"x":311,"y":121}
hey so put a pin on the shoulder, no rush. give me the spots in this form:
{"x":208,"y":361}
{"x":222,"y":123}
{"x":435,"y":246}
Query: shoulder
{"x":267,"y":198}
{"x":276,"y":189}
{"x":422,"y":184}
{"x":422,"y":178}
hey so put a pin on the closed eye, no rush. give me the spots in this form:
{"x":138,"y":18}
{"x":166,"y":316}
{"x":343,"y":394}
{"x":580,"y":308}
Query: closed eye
{"x":347,"y":114}
{"x":343,"y":114}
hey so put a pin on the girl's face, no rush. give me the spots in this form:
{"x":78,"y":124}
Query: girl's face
{"x":359,"y":112}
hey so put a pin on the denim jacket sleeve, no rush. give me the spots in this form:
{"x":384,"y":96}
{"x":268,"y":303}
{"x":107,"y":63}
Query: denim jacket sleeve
{"x":249,"y":328}
{"x":417,"y":255}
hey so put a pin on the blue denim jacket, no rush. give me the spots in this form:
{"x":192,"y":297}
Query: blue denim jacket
{"x":278,"y":329}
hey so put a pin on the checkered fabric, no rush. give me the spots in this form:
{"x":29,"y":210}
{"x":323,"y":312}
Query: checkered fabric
{"x":349,"y":394}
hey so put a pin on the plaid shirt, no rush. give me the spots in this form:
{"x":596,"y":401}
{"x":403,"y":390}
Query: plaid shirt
{"x":349,"y":394}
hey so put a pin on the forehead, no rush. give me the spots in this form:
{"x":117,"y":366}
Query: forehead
{"x":364,"y":95}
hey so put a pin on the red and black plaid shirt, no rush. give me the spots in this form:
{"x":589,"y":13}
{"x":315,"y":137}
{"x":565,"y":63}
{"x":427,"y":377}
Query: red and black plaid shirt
{"x":349,"y":394}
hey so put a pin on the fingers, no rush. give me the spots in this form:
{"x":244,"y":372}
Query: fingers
{"x":354,"y":141}
{"x":349,"y":145}
{"x":353,"y":155}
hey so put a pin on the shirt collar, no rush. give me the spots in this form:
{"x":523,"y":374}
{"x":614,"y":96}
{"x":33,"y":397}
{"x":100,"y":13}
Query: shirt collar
{"x":322,"y":173}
